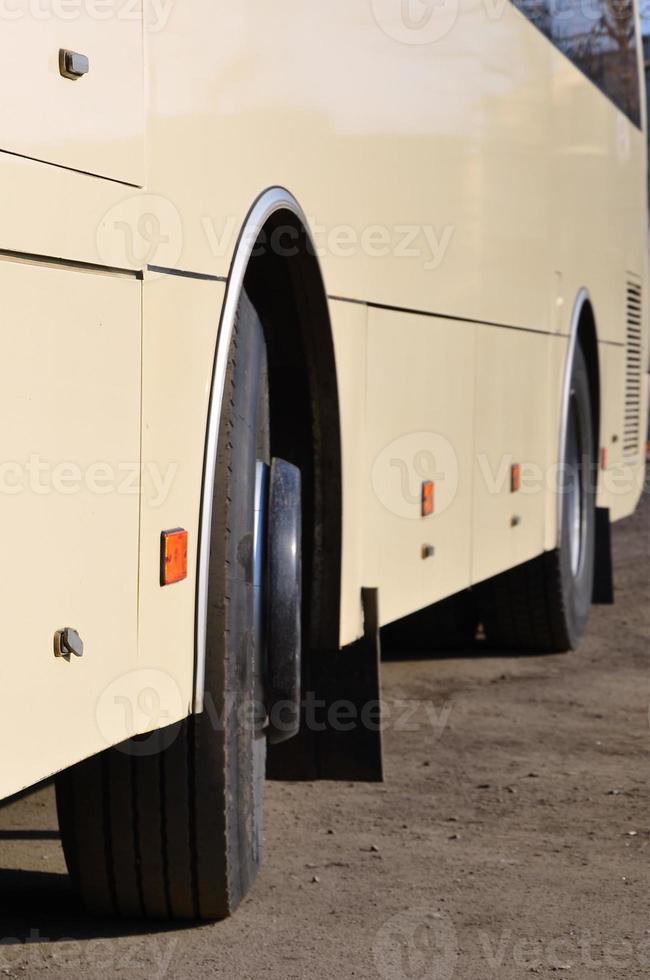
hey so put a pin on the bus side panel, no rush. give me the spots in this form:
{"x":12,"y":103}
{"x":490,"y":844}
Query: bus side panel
{"x":420,"y":417}
{"x":93,"y":124}
{"x":70,"y":404}
{"x":599,"y":220}
{"x":621,"y":476}
{"x":511,"y":430}
{"x":422,"y":167}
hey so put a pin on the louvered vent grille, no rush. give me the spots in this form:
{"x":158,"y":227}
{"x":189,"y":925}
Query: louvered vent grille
{"x":632,"y":427}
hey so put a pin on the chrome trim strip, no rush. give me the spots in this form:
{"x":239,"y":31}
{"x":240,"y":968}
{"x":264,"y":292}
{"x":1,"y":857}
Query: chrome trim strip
{"x":272,"y":200}
{"x":581,"y":299}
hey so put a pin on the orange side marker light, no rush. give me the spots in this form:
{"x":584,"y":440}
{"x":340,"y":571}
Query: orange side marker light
{"x":603,"y":458}
{"x":515,"y":477}
{"x":428,"y":497}
{"x":173,"y":556}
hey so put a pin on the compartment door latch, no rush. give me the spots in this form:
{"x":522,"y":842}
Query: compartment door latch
{"x":67,"y":642}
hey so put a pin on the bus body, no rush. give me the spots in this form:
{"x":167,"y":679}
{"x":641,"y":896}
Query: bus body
{"x":469,"y":184}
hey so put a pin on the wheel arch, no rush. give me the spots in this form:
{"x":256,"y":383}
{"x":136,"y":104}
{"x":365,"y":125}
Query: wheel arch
{"x":588,"y":341}
{"x":275,"y":260}
{"x":583,"y":332}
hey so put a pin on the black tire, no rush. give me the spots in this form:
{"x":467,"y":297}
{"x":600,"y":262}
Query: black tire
{"x":543,"y":605}
{"x":177,"y":833}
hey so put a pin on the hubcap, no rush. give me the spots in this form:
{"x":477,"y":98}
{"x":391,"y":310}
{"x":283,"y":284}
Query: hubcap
{"x":282,"y":618}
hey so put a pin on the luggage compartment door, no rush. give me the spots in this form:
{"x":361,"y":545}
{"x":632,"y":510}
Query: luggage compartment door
{"x":69,"y":503}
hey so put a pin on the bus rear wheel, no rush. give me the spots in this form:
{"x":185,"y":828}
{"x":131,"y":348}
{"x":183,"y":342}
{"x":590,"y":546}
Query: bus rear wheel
{"x":176,"y":833}
{"x":543,"y":605}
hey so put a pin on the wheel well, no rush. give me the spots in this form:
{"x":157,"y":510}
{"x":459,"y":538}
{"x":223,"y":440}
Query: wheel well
{"x":588,"y":340}
{"x":284,"y":283}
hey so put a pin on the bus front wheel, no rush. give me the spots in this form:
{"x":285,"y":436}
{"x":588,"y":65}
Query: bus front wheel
{"x":176,"y":832}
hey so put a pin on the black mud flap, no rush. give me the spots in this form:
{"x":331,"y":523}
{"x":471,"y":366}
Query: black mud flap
{"x":603,"y":593}
{"x":340,"y":731}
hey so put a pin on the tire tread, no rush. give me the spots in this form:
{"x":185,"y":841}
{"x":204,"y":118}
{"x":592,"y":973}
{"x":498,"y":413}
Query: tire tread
{"x":155,"y":835}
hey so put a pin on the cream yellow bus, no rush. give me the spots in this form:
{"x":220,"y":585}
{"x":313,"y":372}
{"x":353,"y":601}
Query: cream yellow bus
{"x":318,"y":319}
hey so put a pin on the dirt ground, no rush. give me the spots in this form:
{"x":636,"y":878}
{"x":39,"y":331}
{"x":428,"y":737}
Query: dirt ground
{"x":509,"y":840}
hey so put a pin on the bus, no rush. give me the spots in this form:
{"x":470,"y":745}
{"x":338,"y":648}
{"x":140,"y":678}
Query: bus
{"x":323,"y":324}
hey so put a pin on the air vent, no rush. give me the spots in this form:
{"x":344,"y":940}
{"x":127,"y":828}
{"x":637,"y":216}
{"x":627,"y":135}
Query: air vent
{"x":632,"y":426}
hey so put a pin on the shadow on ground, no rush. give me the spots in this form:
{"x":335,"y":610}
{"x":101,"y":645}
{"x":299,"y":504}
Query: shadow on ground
{"x":40,"y":906}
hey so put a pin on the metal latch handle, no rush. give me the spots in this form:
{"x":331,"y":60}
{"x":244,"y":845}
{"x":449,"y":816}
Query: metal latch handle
{"x":72,"y":64}
{"x":67,"y":642}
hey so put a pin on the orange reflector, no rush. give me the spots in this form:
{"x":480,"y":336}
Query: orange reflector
{"x":603,"y":458}
{"x":428,"y":496}
{"x":515,"y":477}
{"x":173,"y":556}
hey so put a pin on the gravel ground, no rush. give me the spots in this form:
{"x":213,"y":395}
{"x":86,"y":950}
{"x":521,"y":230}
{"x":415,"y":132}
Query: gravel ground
{"x":509,"y":840}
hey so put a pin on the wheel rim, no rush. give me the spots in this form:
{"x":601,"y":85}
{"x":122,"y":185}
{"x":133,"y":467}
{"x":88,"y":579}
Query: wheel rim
{"x":575,"y":490}
{"x":259,"y":583}
{"x":283,"y":601}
